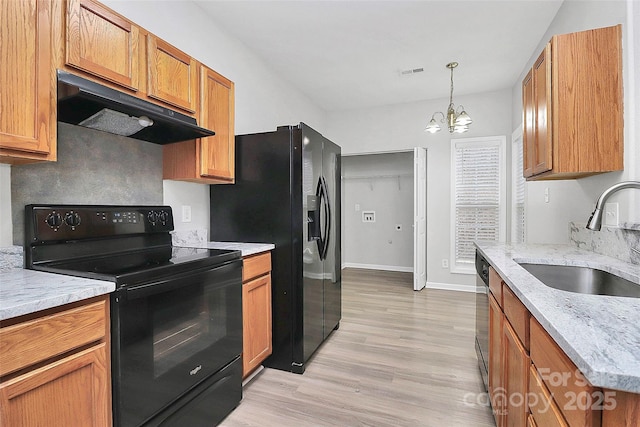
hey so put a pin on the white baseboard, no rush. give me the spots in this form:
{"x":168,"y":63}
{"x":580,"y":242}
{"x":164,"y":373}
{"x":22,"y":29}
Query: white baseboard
{"x":378,"y":267}
{"x":451,"y":287}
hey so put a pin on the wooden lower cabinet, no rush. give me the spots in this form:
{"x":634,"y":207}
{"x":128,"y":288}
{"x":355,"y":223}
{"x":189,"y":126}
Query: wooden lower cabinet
{"x":73,"y":391}
{"x":515,"y":378}
{"x":570,"y":390}
{"x":543,"y":409}
{"x":532,"y":382}
{"x":56,"y":367}
{"x":256,"y":311}
{"x":620,"y":409}
{"x":496,"y":388}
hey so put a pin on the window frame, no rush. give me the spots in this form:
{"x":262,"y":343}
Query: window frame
{"x":499,"y":141}
{"x":517,"y":175}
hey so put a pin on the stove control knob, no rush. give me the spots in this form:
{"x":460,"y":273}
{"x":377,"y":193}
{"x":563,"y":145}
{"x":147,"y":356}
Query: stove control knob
{"x":72,"y":219}
{"x":54,"y":220}
{"x":163,"y":216}
{"x":152,"y":216}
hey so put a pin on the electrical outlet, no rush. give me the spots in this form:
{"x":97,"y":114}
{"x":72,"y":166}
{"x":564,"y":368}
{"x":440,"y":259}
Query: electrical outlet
{"x":368,"y":216}
{"x":445,"y":263}
{"x":611,"y":214}
{"x":546,"y":195}
{"x":186,"y":213}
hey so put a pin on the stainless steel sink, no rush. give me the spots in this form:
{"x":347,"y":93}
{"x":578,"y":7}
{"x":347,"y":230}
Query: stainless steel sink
{"x":583,"y":280}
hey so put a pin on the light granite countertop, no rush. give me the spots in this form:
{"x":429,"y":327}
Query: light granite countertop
{"x":27,"y":291}
{"x":197,"y":238}
{"x":600,"y":334}
{"x":246,"y":248}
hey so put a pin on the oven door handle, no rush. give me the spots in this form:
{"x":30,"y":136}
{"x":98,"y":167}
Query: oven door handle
{"x":225,"y":275}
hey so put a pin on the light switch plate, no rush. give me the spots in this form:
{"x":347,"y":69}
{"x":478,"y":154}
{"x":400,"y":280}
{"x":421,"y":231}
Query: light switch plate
{"x":186,"y":213}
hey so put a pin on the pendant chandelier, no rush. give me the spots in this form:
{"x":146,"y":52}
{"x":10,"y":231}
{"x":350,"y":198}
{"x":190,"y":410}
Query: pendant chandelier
{"x":456,"y":119}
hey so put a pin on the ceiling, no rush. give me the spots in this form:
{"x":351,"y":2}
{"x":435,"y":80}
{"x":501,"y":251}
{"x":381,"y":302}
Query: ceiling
{"x":349,"y":54}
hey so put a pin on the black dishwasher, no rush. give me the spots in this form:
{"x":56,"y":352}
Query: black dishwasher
{"x":482,"y":317}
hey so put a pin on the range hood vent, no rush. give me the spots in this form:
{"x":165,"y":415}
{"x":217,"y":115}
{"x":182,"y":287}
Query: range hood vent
{"x":85,"y":103}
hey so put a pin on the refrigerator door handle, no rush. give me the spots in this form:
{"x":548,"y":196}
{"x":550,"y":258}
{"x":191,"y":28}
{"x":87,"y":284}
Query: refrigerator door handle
{"x":320,"y":197}
{"x":327,"y":223}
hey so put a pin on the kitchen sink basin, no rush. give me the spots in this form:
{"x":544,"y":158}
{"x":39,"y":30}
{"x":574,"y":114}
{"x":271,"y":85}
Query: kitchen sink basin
{"x":583,"y":280}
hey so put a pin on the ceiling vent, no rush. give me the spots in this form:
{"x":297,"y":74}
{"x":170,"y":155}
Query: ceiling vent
{"x":411,"y":71}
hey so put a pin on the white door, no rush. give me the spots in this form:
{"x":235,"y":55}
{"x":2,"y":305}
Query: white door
{"x":419,"y":218}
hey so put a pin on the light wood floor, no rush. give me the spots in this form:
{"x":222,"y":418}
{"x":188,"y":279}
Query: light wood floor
{"x":400,"y":358}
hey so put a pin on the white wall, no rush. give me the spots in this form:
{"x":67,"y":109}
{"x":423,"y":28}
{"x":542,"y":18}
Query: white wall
{"x":388,"y":191}
{"x":263,"y":100}
{"x":401,"y":127}
{"x":573,"y":200}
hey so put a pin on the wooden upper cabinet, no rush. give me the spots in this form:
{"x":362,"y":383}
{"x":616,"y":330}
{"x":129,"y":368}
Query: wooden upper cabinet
{"x":172,"y":75}
{"x":102,"y":43}
{"x":27,"y":83}
{"x":209,"y":160}
{"x":543,"y":143}
{"x":573,"y":106}
{"x":528,"y":125}
{"x":217,"y":113}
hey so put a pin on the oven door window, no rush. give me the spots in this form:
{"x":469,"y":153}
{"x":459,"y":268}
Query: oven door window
{"x":174,"y":333}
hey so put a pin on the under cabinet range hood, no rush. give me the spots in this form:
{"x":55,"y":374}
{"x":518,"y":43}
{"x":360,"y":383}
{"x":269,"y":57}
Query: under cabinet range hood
{"x":85,"y":103}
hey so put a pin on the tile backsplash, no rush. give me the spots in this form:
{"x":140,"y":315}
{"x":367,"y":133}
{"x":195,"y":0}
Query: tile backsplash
{"x":614,"y":242}
{"x":93,"y":167}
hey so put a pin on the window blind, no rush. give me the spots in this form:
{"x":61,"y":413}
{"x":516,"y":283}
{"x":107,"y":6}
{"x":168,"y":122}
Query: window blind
{"x":477,"y":196}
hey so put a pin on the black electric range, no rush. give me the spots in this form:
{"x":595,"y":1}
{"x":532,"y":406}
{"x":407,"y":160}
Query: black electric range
{"x":176,"y":313}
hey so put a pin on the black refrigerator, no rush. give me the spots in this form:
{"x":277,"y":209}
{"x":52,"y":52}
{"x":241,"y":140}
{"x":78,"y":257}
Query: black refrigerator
{"x":287,"y":192}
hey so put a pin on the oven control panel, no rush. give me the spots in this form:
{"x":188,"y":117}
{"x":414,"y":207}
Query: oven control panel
{"x":65,"y":222}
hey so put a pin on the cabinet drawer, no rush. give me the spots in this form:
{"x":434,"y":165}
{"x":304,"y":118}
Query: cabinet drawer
{"x":33,"y":341}
{"x":256,"y":265}
{"x":571,"y":391}
{"x":517,"y":314}
{"x":495,"y":285}
{"x":543,"y":409}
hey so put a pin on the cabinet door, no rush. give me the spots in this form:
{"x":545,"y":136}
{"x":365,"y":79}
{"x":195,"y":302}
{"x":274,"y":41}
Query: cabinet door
{"x":516,"y":378}
{"x":74,"y":391}
{"x":256,"y":319}
{"x":542,"y":122}
{"x":528,"y":125}
{"x":576,"y":398}
{"x":496,"y":390}
{"x":217,"y":156}
{"x":102,"y":43}
{"x":172,"y":75}
{"x":588,"y":93}
{"x":27,"y":84}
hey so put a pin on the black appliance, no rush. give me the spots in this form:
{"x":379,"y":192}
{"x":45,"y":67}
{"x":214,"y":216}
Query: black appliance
{"x":176,"y":313}
{"x":287,"y":192}
{"x":86,"y":103}
{"x":482,"y":317}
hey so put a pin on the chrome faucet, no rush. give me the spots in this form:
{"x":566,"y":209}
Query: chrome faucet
{"x":595,"y":221}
